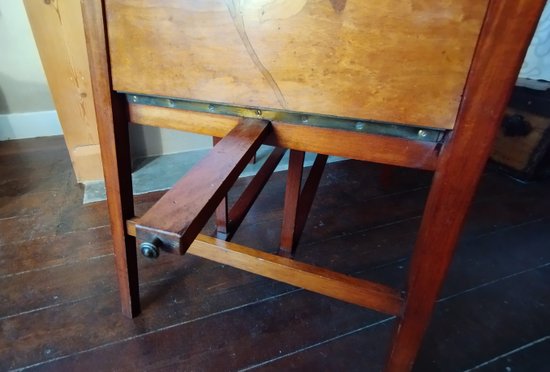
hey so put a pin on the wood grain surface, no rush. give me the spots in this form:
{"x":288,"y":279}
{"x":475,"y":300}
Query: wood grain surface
{"x":112,"y":126}
{"x":58,"y":31}
{"x":344,"y":143}
{"x":403,"y":62}
{"x":497,"y":61}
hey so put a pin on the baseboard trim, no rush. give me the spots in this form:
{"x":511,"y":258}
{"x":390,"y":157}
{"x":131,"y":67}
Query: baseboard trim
{"x":29,"y":125}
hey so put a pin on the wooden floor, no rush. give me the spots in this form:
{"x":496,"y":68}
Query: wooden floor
{"x":59,"y":305}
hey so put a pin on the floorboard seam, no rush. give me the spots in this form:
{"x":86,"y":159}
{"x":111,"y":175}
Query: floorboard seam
{"x":507,"y":228}
{"x":51,"y":234}
{"x":318,"y":344}
{"x":157,"y":330}
{"x":493,"y":282}
{"x":14,"y":217}
{"x":4,"y":276}
{"x":377,"y":323}
{"x":46,"y":307}
{"x":357,"y":232}
{"x":511,"y":352}
{"x":467,"y":239}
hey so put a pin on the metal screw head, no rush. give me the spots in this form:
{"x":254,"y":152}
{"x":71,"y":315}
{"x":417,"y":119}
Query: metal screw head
{"x":171,"y":103}
{"x":150,"y":250}
{"x":305,"y":118}
{"x":134,"y":99}
{"x":359,"y":125}
{"x":422,"y":133}
{"x":258,"y":112}
{"x":211,"y":108}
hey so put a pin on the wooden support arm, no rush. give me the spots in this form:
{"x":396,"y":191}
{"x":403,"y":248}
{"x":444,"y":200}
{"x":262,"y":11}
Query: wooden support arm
{"x":239,"y":211}
{"x":298,"y":200}
{"x":228,"y":221}
{"x":177,"y":218}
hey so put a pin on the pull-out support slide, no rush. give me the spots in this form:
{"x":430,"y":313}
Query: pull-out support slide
{"x":177,"y":218}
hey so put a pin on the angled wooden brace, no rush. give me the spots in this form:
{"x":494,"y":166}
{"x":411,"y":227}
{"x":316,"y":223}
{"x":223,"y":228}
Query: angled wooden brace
{"x":239,"y":210}
{"x":298,"y":200}
{"x":222,"y":212}
{"x":177,"y":218}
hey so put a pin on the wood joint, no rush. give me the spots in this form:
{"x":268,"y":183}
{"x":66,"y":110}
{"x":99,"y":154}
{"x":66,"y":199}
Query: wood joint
{"x":178,"y":217}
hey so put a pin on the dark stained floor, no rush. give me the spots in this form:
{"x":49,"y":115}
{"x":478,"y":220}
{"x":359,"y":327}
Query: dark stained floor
{"x":59,"y":303}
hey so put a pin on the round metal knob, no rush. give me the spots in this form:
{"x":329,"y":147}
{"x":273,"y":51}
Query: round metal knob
{"x":150,"y":250}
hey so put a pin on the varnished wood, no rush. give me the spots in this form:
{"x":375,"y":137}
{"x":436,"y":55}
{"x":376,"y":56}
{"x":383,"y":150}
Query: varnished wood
{"x":112,"y":126}
{"x":307,"y":195}
{"x":298,"y":200}
{"x":496,"y":64}
{"x":222,"y":211}
{"x":381,"y":149}
{"x":222,"y":219}
{"x":59,"y":34}
{"x":292,"y":199}
{"x":342,"y":287}
{"x":315,"y":279}
{"x":241,"y":207}
{"x":372,"y":60}
{"x":181,"y":213}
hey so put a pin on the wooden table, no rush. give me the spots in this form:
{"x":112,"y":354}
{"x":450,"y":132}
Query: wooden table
{"x":419,"y":84}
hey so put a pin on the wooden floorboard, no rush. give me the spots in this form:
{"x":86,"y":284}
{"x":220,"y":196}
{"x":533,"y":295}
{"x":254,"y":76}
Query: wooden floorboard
{"x":524,"y":358}
{"x":59,"y":307}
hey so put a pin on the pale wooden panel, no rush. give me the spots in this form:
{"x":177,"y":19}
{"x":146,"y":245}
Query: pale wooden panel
{"x":87,"y":163}
{"x":58,"y":30}
{"x":399,"y":61}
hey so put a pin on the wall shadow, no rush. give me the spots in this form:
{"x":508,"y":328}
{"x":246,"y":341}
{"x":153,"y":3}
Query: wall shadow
{"x":3,"y":103}
{"x":6,"y":130}
{"x":145,"y":145}
{"x":19,"y":97}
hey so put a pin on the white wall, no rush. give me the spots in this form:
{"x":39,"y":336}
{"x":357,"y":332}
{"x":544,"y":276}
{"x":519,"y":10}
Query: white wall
{"x":150,"y":141}
{"x":23,"y":86}
{"x":537,"y":61}
{"x":26,"y":106}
